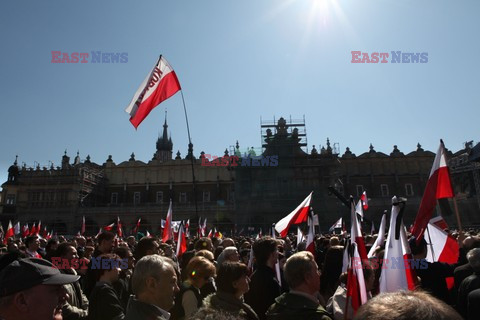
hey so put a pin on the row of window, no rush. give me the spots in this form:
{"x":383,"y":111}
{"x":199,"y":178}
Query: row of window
{"x":384,"y":190}
{"x":182,"y":197}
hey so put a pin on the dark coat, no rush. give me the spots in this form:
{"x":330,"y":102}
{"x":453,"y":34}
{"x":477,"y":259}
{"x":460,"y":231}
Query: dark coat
{"x":104,"y":303}
{"x":227,"y":303}
{"x":138,"y":310}
{"x":468,"y":285}
{"x":294,"y":306}
{"x":461,"y":273}
{"x":473,"y":305}
{"x":264,"y":288}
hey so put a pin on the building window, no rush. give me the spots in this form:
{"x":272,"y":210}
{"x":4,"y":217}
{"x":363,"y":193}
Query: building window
{"x":206,"y":196}
{"x":10,"y":201}
{"x":408,"y":189}
{"x":183,"y":197}
{"x":384,"y":189}
{"x":359,"y":190}
{"x":159,"y":197}
{"x":136,"y":198}
{"x":114,"y":198}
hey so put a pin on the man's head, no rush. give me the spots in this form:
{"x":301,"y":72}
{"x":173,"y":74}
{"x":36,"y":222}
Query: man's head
{"x":301,"y":273}
{"x":32,"y":243}
{"x":265,"y":251}
{"x":406,"y":305}
{"x":66,"y":251}
{"x":105,"y":242}
{"x":419,"y":250}
{"x":154,"y":281}
{"x":473,"y":257}
{"x":146,"y":246}
{"x":31,"y":289}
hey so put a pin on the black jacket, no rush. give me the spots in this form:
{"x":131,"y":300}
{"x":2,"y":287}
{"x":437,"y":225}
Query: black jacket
{"x":295,"y":306}
{"x":104,"y":303}
{"x":468,"y":285}
{"x":138,"y":310}
{"x":264,"y":288}
{"x":227,"y":303}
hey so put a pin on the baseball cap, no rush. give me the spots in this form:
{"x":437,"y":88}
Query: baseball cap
{"x":27,"y":273}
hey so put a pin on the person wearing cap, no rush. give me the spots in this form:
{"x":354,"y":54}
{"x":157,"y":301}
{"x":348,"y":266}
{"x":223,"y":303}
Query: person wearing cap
{"x":32,"y":288}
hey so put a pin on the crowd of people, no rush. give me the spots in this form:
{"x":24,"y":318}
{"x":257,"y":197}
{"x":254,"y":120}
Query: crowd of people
{"x":107,"y":278}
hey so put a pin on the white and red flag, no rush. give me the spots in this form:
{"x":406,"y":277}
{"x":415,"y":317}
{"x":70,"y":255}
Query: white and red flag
{"x":311,"y":237}
{"x":442,"y":247}
{"x":297,"y":216}
{"x":187,"y":227}
{"x":438,"y":186}
{"x":9,"y":233}
{"x":99,"y":232}
{"x":364,"y":199}
{"x":356,"y":288}
{"x":160,"y":84}
{"x":397,"y":273}
{"x":25,"y":231}
{"x":300,"y":236}
{"x":137,"y":226}
{"x":381,"y":236}
{"x":39,"y":228}
{"x":82,"y":230}
{"x":16,"y":229}
{"x":439,"y":222}
{"x":167,"y":230}
{"x":336,"y":225}
{"x":119,"y":228}
{"x":33,"y":231}
{"x":356,"y":231}
{"x":210,"y":233}
{"x":182,"y":242}
{"x":109,"y":227}
{"x":148,"y":234}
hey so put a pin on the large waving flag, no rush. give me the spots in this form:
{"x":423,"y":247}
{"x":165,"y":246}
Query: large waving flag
{"x":395,"y":275}
{"x":356,"y":231}
{"x":167,"y":230}
{"x":438,"y":186}
{"x":442,"y":247}
{"x":299,"y":215}
{"x":160,"y":84}
{"x":356,"y":288}
{"x":380,"y":237}
{"x":109,"y":227}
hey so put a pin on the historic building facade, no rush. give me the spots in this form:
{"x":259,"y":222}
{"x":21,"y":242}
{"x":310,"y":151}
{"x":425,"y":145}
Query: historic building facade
{"x":255,"y":192}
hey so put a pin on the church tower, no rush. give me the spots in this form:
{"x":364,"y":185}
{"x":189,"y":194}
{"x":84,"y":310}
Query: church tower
{"x":164,"y":145}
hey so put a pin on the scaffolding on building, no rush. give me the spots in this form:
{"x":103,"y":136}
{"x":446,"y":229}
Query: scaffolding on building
{"x":292,"y":124}
{"x":91,"y":179}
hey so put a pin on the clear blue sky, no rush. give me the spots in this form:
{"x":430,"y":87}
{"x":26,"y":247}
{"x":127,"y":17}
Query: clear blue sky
{"x":237,"y":61}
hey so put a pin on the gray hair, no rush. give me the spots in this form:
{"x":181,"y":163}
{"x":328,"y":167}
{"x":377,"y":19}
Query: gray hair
{"x":297,"y":267}
{"x":473,"y":257}
{"x":226,"y":253}
{"x":149,"y":266}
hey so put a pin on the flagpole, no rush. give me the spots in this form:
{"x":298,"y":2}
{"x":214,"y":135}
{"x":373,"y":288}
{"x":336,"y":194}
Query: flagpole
{"x":191,"y":158}
{"x":431,"y":244}
{"x":457,"y":214}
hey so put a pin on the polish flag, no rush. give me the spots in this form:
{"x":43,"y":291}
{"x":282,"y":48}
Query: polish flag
{"x":259,"y":235}
{"x":148,"y":234}
{"x":33,"y":231}
{"x":135,"y":230}
{"x":359,"y":209}
{"x":300,"y":236}
{"x":9,"y":233}
{"x":25,"y":231}
{"x":182,"y":242}
{"x":187,"y":226}
{"x":364,"y":199}
{"x":439,"y":222}
{"x":438,"y":187}
{"x":395,"y":276}
{"x":44,"y":233}
{"x":356,"y":231}
{"x":441,"y":247}
{"x":167,"y":230}
{"x":336,"y":225}
{"x":16,"y":229}
{"x":39,"y":228}
{"x":297,"y":216}
{"x":82,"y":231}
{"x":210,"y":233}
{"x":109,"y":227}
{"x":119,"y":228}
{"x":380,"y":237}
{"x":356,"y":288}
{"x":160,"y":84}
{"x":204,"y":227}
